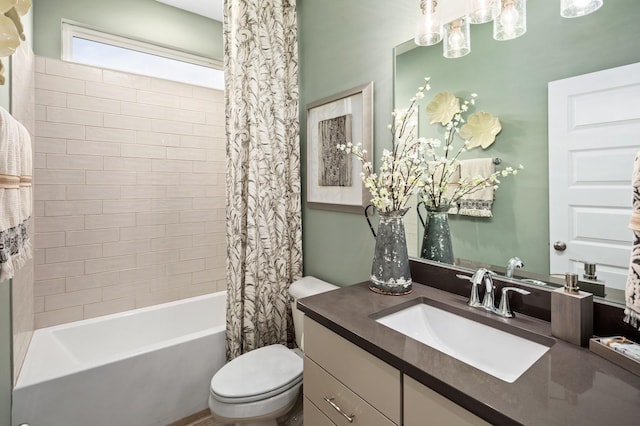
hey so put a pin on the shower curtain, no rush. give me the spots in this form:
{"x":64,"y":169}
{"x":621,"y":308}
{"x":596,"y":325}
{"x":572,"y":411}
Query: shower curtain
{"x":264,"y":225}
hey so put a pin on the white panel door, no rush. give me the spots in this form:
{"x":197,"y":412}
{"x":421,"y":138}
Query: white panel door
{"x":594,"y":134}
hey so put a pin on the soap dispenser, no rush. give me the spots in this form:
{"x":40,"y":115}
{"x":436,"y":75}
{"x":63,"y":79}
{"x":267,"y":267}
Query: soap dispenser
{"x":572,"y":312}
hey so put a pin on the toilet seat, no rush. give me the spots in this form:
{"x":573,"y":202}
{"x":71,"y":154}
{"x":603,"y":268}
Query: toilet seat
{"x":257,"y":375}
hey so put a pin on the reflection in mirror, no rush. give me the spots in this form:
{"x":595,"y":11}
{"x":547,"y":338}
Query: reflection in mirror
{"x":511,"y":81}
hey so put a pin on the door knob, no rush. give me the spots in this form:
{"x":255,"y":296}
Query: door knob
{"x":560,"y":246}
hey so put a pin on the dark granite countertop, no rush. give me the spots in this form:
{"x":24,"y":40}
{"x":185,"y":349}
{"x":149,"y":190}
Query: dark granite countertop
{"x":568,"y":385}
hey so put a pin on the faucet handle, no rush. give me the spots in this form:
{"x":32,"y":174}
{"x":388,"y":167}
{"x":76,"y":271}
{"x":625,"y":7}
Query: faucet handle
{"x":504,"y":310}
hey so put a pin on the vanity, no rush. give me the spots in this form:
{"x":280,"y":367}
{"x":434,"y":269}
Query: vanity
{"x":358,"y":371}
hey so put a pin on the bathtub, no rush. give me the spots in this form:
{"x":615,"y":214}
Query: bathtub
{"x":149,"y":366}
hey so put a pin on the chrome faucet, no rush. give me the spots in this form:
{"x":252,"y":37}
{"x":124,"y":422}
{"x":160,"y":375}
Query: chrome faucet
{"x":481,"y":276}
{"x":504,"y":310}
{"x":489,"y":288}
{"x":514,"y":263}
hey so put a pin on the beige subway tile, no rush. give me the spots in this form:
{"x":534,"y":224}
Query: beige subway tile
{"x":45,"y":240}
{"x":127,"y":122}
{"x":123,"y":79}
{"x":59,"y":84}
{"x":73,"y":70}
{"x":109,"y":91}
{"x":171,"y":243}
{"x":172,"y":204}
{"x":40,"y":64}
{"x":60,"y":316}
{"x":202,"y":142}
{"x":74,"y":116}
{"x":93,"y":192}
{"x":185,"y":229}
{"x":126,"y":247}
{"x":156,"y":98}
{"x":50,"y":145}
{"x":157,"y":178}
{"x":209,"y":274}
{"x":38,"y":208}
{"x":158,"y":139}
{"x":209,"y":203}
{"x":38,"y":256}
{"x":198,"y":289}
{"x":143,"y":191}
{"x":216,"y":226}
{"x":93,"y":148}
{"x":126,"y":206}
{"x":111,"y":177}
{"x":215,"y":262}
{"x":84,"y":282}
{"x":156,"y":218}
{"x":109,"y":220}
{"x":196,"y":253}
{"x":49,"y":192}
{"x":127,"y":164}
{"x":38,"y":304}
{"x":193,"y":154}
{"x":156,"y":258}
{"x":41,"y":113}
{"x":93,"y":310}
{"x":73,"y":162}
{"x":216,"y":118}
{"x":143,"y":274}
{"x":69,"y":254}
{"x":59,"y":130}
{"x":119,"y":291}
{"x":171,"y":166}
{"x":179,"y":280}
{"x":216,"y":191}
{"x":196,"y":216}
{"x":58,"y":270}
{"x":50,"y":98}
{"x":187,"y":191}
{"x":143,"y":110}
{"x":208,"y":94}
{"x":196,"y":117}
{"x":212,"y":165}
{"x":70,"y":208}
{"x":171,"y":87}
{"x":182,"y":267}
{"x":59,"y":223}
{"x":76,"y":298}
{"x":103,"y":134}
{"x":39,"y":161}
{"x":156,"y":298}
{"x":143,"y":151}
{"x":173,"y":127}
{"x":48,"y":287}
{"x":142,"y":232}
{"x":207,"y":130}
{"x":197,"y":104}
{"x":94,"y":236}
{"x":110,"y":264}
{"x":58,"y":177}
{"x":208,"y":238}
{"x":90,"y":103}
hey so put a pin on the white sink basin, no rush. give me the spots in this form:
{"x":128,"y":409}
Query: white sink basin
{"x":496,"y":352}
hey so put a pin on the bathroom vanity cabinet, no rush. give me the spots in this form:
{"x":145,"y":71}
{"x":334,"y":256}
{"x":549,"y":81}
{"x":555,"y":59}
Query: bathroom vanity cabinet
{"x":342,"y":382}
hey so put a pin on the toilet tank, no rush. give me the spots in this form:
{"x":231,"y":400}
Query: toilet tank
{"x":306,"y":286}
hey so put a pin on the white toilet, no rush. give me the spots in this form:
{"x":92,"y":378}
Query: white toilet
{"x":262,"y":385}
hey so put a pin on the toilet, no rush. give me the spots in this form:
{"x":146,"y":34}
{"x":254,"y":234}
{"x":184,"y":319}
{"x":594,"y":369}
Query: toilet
{"x":259,"y":386}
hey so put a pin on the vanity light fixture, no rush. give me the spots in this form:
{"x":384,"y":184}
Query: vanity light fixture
{"x":576,"y":8}
{"x":512,"y":21}
{"x":428,"y":28}
{"x":482,"y":11}
{"x":457,"y":40}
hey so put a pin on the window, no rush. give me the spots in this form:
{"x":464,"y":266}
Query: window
{"x":87,"y":46}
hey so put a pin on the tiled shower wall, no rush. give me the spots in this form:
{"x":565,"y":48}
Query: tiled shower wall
{"x":129,"y":191}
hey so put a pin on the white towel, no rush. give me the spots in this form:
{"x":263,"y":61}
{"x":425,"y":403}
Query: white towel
{"x":479,"y":202}
{"x":15,"y":154}
{"x":632,"y":289}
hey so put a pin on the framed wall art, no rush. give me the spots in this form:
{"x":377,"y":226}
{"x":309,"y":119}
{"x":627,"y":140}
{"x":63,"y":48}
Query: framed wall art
{"x":333,"y":176}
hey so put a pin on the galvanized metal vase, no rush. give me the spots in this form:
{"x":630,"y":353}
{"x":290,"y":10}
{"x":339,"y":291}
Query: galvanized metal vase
{"x":390,"y":273}
{"x":436,"y":242}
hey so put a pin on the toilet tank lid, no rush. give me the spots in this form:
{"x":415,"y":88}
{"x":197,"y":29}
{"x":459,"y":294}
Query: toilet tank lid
{"x":308,"y":286}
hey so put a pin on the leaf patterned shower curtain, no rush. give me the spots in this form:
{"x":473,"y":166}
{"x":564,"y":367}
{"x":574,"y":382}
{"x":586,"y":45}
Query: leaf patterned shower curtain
{"x":264,"y":225}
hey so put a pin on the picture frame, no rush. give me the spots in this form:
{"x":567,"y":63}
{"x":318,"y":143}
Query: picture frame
{"x":333,"y":176}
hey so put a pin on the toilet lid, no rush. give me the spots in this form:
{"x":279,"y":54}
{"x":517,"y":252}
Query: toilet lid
{"x":257,"y":374}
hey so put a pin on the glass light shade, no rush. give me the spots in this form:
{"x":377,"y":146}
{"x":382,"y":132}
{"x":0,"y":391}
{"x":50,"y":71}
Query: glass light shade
{"x":428,"y":28}
{"x":481,"y":11}
{"x":576,"y":8}
{"x":457,"y":38}
{"x":512,"y":21}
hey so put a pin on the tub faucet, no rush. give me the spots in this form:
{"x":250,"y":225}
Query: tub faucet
{"x":514,"y":263}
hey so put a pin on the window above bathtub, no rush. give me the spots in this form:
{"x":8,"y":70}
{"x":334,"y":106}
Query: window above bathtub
{"x":91,"y":47}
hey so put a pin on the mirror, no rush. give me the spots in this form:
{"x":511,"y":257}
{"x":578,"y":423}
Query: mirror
{"x":510,"y":78}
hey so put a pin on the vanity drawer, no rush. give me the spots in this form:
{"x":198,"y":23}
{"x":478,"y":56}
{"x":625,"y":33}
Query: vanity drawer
{"x":330,"y":396}
{"x":313,"y":416}
{"x":420,"y":401}
{"x":369,"y":377}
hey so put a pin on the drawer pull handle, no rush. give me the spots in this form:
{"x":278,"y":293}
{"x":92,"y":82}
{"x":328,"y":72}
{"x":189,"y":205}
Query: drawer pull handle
{"x":339,"y":410}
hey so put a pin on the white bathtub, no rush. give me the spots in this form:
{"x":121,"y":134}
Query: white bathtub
{"x":149,"y":366}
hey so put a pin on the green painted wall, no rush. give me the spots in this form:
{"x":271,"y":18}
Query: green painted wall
{"x":346,"y":43}
{"x":140,"y":19}
{"x":511,"y":80}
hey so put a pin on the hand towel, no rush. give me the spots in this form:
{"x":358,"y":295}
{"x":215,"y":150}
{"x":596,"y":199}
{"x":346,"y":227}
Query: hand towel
{"x":452,"y":185}
{"x":479,"y":202}
{"x":632,"y":288}
{"x":25,"y":191}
